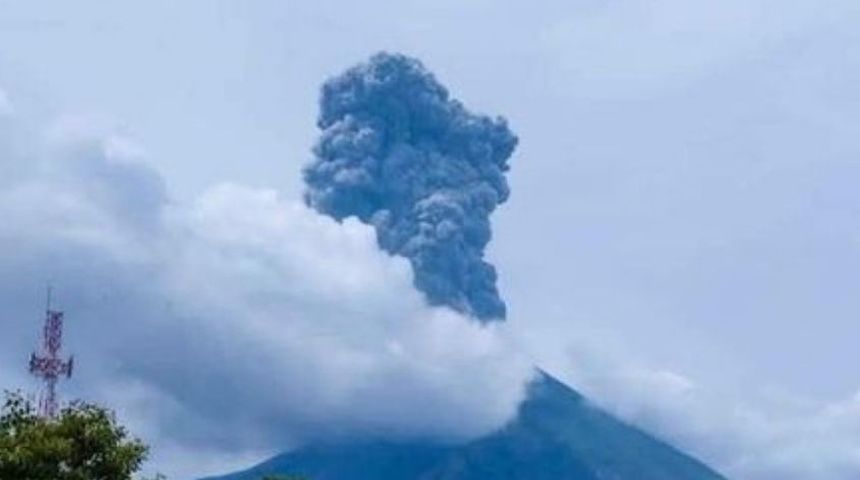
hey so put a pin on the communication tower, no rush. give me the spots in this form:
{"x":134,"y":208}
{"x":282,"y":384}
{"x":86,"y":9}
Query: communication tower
{"x":47,"y":364}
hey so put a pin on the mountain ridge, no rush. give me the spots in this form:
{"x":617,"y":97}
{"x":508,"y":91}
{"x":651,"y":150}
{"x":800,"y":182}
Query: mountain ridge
{"x":556,"y":434}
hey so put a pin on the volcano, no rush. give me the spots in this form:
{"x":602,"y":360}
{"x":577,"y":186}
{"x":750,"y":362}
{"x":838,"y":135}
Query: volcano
{"x":557,"y":434}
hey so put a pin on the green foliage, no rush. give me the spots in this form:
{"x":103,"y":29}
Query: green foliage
{"x":84,"y":442}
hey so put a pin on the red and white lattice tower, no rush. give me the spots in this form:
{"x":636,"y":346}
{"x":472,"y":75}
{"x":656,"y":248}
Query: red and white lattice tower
{"x":47,"y":364}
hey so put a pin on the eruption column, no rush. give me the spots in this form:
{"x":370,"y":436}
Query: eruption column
{"x":401,"y":155}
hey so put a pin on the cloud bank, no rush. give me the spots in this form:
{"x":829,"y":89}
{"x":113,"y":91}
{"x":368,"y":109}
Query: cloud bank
{"x":239,"y":322}
{"x":760,"y":434}
{"x":398,"y":153}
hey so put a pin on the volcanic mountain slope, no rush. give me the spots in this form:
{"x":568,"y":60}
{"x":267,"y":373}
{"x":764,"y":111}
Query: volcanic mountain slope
{"x":557,"y":434}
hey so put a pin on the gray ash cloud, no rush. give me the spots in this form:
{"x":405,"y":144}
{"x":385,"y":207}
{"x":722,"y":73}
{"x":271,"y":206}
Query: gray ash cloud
{"x":397,"y":152}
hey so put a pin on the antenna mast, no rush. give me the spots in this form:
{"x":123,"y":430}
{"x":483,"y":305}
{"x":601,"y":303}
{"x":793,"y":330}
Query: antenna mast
{"x":47,"y":363}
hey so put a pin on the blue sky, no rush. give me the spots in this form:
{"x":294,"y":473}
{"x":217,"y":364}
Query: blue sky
{"x":681,"y":235}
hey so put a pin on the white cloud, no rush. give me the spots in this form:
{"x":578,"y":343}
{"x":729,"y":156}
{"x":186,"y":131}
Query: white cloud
{"x":243,"y":322}
{"x":750,"y":435}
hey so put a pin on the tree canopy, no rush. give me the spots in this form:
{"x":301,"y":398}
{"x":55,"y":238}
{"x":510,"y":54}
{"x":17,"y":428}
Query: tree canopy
{"x":83,"y":442}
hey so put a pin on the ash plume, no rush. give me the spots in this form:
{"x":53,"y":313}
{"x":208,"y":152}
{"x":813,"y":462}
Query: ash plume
{"x":397,"y":152}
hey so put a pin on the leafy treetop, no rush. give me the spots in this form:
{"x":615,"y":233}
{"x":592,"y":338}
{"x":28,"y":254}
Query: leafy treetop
{"x":84,"y":442}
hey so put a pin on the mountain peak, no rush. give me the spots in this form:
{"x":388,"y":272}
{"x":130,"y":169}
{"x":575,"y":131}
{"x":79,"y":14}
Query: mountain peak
{"x":557,"y":434}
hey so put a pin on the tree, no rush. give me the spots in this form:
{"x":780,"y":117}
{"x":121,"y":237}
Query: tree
{"x":84,"y":442}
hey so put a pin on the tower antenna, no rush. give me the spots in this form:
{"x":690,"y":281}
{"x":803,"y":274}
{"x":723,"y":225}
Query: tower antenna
{"x":47,"y":364}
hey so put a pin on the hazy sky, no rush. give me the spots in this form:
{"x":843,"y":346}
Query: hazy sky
{"x":684,"y":194}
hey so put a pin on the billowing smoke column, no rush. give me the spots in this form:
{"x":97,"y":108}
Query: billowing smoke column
{"x":398,"y":153}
